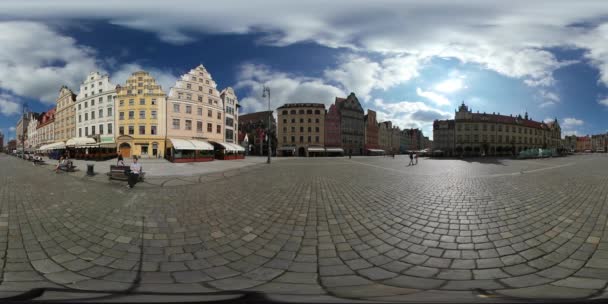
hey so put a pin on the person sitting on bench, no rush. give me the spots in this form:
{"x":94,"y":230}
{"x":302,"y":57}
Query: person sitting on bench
{"x":59,"y":164}
{"x":135,"y":172}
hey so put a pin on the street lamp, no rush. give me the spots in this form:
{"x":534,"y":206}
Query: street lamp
{"x":266,"y":93}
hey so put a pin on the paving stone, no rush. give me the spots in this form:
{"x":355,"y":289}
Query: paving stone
{"x":47,"y":266}
{"x":585,"y":283}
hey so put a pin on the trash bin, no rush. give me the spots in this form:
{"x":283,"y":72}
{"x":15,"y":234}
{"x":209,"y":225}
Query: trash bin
{"x":90,"y":170}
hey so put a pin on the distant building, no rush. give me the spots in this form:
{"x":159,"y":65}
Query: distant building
{"x":11,"y":145}
{"x":254,"y":126}
{"x":410,"y":140}
{"x":583,"y":143}
{"x":31,"y":141}
{"x":352,"y":125}
{"x":598,"y":143}
{"x":65,"y":115}
{"x":1,"y":141}
{"x":371,"y":132}
{"x":444,"y":136}
{"x":45,"y":131}
{"x":495,"y":134}
{"x":231,"y":113}
{"x":569,"y":142}
{"x":333,"y":138}
{"x":301,"y":129}
{"x":95,"y":109}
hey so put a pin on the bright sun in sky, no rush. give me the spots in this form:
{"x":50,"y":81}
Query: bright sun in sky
{"x":450,"y":85}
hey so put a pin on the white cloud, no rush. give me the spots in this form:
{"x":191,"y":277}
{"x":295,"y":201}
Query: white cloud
{"x":434,"y":97}
{"x":548,"y":98}
{"x":450,"y":85}
{"x":8,"y":106}
{"x":603,"y":101}
{"x":36,"y":61}
{"x":569,"y":132}
{"x":572,"y":122}
{"x":409,"y":114}
{"x":12,"y":129}
{"x":284,"y":88}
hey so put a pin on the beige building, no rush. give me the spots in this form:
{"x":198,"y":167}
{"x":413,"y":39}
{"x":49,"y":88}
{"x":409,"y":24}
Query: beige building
{"x":301,"y":129}
{"x":495,"y":134}
{"x":65,"y":115}
{"x":140,"y":107}
{"x":195,"y":108}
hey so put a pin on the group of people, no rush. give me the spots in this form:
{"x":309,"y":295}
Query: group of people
{"x":64,"y":161}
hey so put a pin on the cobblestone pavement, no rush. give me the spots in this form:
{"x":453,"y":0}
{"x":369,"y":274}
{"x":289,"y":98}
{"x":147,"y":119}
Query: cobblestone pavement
{"x":318,"y":230}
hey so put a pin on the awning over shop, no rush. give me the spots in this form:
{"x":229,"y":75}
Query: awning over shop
{"x":287,"y":148}
{"x":201,"y":145}
{"x":316,"y":149}
{"x":375,"y":150}
{"x":99,"y":145}
{"x":79,"y":141}
{"x":53,"y":146}
{"x":228,"y":147}
{"x":236,"y":147}
{"x":334,"y":150}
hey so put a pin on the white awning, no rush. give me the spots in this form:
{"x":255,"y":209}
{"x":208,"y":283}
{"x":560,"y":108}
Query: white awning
{"x":287,"y":148}
{"x":228,"y":147}
{"x":79,"y":141}
{"x":201,"y":145}
{"x":316,"y":149}
{"x":53,"y":146}
{"x":334,"y":150}
{"x":181,"y":144}
{"x":375,"y":150}
{"x":236,"y":147}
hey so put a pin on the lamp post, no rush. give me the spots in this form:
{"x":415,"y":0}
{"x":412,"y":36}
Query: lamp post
{"x":266,"y":93}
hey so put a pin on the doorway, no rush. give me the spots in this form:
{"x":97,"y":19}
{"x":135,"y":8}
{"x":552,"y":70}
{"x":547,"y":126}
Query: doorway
{"x":125,"y":150}
{"x":301,"y":151}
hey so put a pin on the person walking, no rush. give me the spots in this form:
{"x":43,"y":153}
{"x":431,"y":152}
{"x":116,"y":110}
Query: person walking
{"x":135,"y":171}
{"x":416,"y":157}
{"x":411,"y":159}
{"x":120,"y":160}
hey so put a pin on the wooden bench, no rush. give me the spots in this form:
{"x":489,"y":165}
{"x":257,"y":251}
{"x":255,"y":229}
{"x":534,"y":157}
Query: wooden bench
{"x":118,"y":172}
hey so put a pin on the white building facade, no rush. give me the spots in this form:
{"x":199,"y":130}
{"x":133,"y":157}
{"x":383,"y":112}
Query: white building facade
{"x":95,"y":108}
{"x":32,"y":141}
{"x":231,"y":114}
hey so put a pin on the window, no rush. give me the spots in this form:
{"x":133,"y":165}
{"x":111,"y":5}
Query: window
{"x":317,"y":112}
{"x":199,"y":126}
{"x":285,"y":129}
{"x":131,"y":130}
{"x":92,"y":115}
{"x":293,"y":139}
{"x":109,"y":128}
{"x":121,"y":130}
{"x":284,"y":120}
{"x":316,"y":120}
{"x":188,"y":124}
{"x":142,"y":101}
{"x":86,"y":131}
{"x":189,"y":96}
{"x":79,"y":106}
{"x":100,"y":129}
{"x":153,"y":114}
{"x":209,"y":101}
{"x":86,"y":116}
{"x":200,"y":98}
{"x":188,"y":109}
{"x":301,"y":129}
{"x":301,"y":111}
{"x":86,"y":104}
{"x":109,"y":112}
{"x":131,"y":102}
{"x":309,"y":129}
{"x":153,"y":130}
{"x":176,"y":108}
{"x":153,"y":102}
{"x":309,"y":139}
{"x":301,"y":120}
{"x":108,"y":98}
{"x":200,"y":88}
{"x":131,"y":114}
{"x":121,"y":115}
{"x":140,"y":91}
{"x":317,"y":138}
{"x":79,"y":118}
{"x":92,"y":130}
{"x":317,"y":129}
{"x":485,"y":127}
{"x":309,"y":120}
{"x":209,"y":127}
{"x":293,"y":129}
{"x":293,"y":120}
{"x":92,"y":102}
{"x":142,"y":114}
{"x":219,"y":115}
{"x":301,"y":139}
{"x":308,"y":111}
{"x":229,"y":122}
{"x":121,"y":103}
{"x":292,"y":112}
{"x":475,"y":127}
{"x":100,"y":114}
{"x":189,"y":86}
{"x":176,"y":124}
{"x":219,"y":129}
{"x":210,"y":91}
{"x":79,"y":132}
{"x":199,"y":111}
{"x":284,"y":138}
{"x":284,"y":112}
{"x":142,"y":130}
{"x":209,"y":113}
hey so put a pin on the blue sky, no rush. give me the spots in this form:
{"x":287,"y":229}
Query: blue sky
{"x":411,"y":62}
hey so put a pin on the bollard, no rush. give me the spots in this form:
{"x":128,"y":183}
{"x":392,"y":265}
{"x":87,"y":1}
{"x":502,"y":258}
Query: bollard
{"x":90,"y":170}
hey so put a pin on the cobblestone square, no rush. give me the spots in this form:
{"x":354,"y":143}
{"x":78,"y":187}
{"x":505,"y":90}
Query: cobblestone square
{"x":369,"y":228}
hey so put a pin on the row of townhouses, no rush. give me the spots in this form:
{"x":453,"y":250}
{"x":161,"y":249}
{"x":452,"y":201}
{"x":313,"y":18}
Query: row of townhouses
{"x":191,"y":122}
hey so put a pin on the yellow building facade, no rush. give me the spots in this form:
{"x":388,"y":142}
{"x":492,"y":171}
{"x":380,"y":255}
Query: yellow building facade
{"x":140,"y":117}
